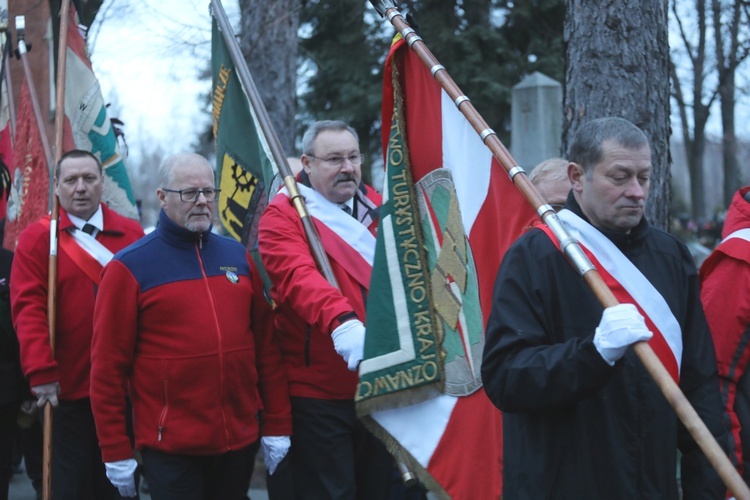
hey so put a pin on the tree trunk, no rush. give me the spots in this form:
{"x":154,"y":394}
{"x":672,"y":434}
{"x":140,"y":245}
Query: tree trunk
{"x":617,"y":64}
{"x":732,"y":175}
{"x":727,"y":44}
{"x":269,"y":44}
{"x":695,"y":150}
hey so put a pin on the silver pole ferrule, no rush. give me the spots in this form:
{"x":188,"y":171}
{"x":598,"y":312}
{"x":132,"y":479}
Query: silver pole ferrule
{"x":515,"y":171}
{"x":486,"y":133}
{"x":569,"y":245}
{"x":460,"y":99}
{"x":435,"y":69}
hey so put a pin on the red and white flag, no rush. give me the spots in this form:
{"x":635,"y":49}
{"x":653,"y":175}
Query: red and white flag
{"x":29,"y":194}
{"x":451,"y":436}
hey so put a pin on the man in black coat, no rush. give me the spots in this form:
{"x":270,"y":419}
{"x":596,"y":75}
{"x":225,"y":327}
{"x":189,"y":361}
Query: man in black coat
{"x":582,"y":417}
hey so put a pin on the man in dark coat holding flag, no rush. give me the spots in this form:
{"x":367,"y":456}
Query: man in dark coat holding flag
{"x":582,"y":417}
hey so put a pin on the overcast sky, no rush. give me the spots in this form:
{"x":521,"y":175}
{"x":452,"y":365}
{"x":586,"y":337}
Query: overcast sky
{"x":149,"y":55}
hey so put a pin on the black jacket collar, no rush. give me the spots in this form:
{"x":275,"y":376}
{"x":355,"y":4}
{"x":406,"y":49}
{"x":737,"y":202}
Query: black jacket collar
{"x":623,"y":241}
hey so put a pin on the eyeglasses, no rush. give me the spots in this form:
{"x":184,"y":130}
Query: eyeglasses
{"x":191,"y":195}
{"x":338,"y":161}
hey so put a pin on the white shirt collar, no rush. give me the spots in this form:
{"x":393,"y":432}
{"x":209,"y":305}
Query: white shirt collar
{"x":96,"y":220}
{"x":348,"y":203}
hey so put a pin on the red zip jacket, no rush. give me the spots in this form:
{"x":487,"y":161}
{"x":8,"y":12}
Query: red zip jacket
{"x":308,"y":307}
{"x":75,"y":304}
{"x":725,"y":293}
{"x":182,"y":323}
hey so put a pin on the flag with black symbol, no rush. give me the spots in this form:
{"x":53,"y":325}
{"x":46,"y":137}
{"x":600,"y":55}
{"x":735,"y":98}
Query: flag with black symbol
{"x":244,"y":163}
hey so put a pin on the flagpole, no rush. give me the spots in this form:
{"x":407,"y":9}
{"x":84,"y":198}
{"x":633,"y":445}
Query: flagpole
{"x":313,"y":239}
{"x":23,"y":54}
{"x":572,"y":249}
{"x":6,"y":44}
{"x":52,"y":264}
{"x":9,"y":86}
{"x":47,"y":421}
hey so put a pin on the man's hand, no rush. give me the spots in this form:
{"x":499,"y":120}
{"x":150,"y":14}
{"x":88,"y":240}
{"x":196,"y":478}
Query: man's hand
{"x":122,"y":475}
{"x":46,"y":392}
{"x":621,"y":326}
{"x":349,"y":342}
{"x":274,"y":450}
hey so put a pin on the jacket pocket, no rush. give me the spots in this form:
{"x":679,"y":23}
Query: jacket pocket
{"x":307,"y":346}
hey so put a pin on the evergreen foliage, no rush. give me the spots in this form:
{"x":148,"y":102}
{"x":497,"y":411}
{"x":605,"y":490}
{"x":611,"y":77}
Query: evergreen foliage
{"x":487,"y":46}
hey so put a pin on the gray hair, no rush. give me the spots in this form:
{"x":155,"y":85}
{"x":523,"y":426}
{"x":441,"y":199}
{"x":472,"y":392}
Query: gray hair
{"x":166,"y":168}
{"x":308,"y":140}
{"x":586,"y":149}
{"x":552,"y":169}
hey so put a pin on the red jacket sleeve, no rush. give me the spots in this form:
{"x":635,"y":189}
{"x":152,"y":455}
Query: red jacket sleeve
{"x":28,"y":296}
{"x":112,"y":351}
{"x":292,"y":270}
{"x":273,"y":386}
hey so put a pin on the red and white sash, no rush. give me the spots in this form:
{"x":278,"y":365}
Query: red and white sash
{"x":85,"y":251}
{"x":629,"y":285}
{"x":743,"y":234}
{"x":345,"y":239}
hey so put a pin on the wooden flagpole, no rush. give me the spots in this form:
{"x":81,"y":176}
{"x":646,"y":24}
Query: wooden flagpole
{"x":7,"y":51}
{"x":572,"y":249}
{"x":248,"y":85}
{"x":313,"y":239}
{"x":54,"y":216}
{"x":47,"y":421}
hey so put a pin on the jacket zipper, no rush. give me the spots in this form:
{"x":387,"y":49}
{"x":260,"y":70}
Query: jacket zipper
{"x":163,"y":415}
{"x":218,"y":335}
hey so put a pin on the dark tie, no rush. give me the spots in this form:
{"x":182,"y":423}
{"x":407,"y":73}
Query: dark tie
{"x":347,"y":209}
{"x":88,"y":228}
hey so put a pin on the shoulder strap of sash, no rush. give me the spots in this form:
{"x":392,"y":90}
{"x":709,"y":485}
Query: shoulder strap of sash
{"x":85,"y":261}
{"x":629,"y":285}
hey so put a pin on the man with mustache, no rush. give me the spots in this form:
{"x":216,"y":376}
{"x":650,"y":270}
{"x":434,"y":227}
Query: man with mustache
{"x":89,"y":233}
{"x":320,"y":327}
{"x":582,"y":418}
{"x":182,"y":325}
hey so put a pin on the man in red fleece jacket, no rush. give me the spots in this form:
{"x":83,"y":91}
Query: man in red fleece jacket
{"x":89,"y":234}
{"x":321,"y":327}
{"x":181,"y":324}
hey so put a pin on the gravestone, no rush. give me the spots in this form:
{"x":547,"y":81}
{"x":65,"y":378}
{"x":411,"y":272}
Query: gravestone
{"x":536,"y":126}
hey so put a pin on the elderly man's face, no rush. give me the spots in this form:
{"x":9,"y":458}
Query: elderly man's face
{"x":614,"y":198}
{"x":554,"y":191}
{"x":337,"y":181}
{"x":80,"y":186}
{"x":194,"y":173}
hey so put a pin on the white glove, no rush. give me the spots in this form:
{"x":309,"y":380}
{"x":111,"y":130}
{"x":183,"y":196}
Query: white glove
{"x":349,"y":342}
{"x":46,"y":392}
{"x":274,"y":449}
{"x":122,"y":475}
{"x":621,"y":326}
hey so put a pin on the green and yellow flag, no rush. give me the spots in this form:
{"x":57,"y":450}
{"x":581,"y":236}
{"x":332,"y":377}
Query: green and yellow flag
{"x":244,"y":164}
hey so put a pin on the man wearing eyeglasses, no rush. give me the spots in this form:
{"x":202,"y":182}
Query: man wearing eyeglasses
{"x":321,"y":327}
{"x":182,"y":325}
{"x":89,"y":233}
